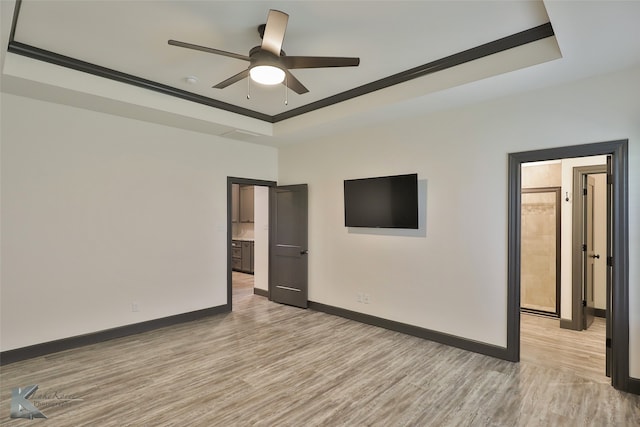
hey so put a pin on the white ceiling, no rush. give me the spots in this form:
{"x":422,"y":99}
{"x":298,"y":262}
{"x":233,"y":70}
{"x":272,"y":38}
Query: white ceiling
{"x":389,"y":37}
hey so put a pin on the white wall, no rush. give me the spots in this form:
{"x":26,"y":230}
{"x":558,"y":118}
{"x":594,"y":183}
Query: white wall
{"x":453,"y":277}
{"x":600,"y":241}
{"x":261,"y":243}
{"x":100,"y":211}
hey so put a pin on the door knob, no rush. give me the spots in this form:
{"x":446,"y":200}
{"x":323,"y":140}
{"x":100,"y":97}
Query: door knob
{"x":304,"y":252}
{"x":596,"y":256}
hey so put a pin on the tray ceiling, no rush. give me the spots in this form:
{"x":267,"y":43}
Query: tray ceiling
{"x":130,"y":37}
{"x":480,"y":49}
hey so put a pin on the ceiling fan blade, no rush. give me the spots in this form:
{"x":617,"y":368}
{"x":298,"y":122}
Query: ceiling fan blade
{"x":209,"y":50}
{"x":231,"y":80}
{"x":294,"y":84}
{"x":293,"y":62}
{"x":274,"y":31}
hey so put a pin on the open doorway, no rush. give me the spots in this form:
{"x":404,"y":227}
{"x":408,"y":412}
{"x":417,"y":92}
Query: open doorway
{"x":558,"y":215}
{"x":617,"y":339}
{"x":589,"y":251}
{"x":248,"y":239}
{"x":280,"y":242}
{"x":554,"y":222}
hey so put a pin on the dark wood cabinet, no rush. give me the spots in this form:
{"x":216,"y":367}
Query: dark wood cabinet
{"x":246,"y":203}
{"x":242,"y":205}
{"x":236,"y":255}
{"x":235,"y":203}
{"x":247,"y":257}
{"x":242,"y":256}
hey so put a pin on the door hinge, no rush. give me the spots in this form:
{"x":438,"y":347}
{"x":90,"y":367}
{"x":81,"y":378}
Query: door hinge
{"x":609,"y":261}
{"x":609,"y":179}
{"x":584,"y":303}
{"x":608,"y":343}
{"x":584,"y":191}
{"x":584,"y":248}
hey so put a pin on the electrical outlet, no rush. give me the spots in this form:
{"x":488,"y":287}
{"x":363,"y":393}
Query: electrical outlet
{"x":366,"y":299}
{"x":134,"y":307}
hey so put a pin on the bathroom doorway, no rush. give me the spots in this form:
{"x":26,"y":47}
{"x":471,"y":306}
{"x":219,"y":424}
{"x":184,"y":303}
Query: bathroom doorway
{"x":617,"y":327}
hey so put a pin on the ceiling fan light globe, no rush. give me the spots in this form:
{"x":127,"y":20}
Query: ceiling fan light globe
{"x":266,"y":74}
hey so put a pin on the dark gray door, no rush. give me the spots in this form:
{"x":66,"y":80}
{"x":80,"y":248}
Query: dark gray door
{"x":588,"y":302}
{"x":608,"y":312}
{"x":288,"y":269}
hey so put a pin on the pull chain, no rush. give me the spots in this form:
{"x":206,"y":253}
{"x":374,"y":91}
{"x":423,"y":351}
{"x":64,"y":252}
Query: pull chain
{"x":248,"y":87}
{"x":286,"y":90}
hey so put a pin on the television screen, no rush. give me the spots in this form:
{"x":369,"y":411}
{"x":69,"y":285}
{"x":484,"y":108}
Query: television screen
{"x":383,"y":202}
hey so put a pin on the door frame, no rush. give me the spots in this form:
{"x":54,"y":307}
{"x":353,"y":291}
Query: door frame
{"x":618,"y":150}
{"x":242,"y":181}
{"x":577,"y":282}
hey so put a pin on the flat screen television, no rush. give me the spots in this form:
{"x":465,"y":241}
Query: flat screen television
{"x":382,"y":202}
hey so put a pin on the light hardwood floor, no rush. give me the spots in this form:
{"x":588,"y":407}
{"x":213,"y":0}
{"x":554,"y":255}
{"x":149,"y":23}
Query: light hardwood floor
{"x":543,"y":342}
{"x":242,"y":285}
{"x":267,"y":364}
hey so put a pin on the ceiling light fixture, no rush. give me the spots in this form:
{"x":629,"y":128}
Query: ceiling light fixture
{"x":267,"y":74}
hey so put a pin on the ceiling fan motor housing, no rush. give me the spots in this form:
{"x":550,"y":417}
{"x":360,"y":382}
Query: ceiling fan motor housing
{"x":259,"y":56}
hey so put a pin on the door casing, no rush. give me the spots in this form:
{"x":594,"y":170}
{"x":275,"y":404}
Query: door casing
{"x":619,"y":344}
{"x":242,"y":181}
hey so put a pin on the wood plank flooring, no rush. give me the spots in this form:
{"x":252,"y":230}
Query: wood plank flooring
{"x":242,"y":285}
{"x":543,"y":342}
{"x":267,"y":364}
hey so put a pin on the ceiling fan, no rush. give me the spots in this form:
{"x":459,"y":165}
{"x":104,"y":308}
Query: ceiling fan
{"x":268,"y":64}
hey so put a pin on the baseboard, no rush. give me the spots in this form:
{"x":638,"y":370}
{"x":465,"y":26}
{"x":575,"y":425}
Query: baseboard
{"x":23,"y":353}
{"x":539,"y":312}
{"x":568,"y":324}
{"x":261,"y":292}
{"x":440,"y":337}
{"x":633,"y":385}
